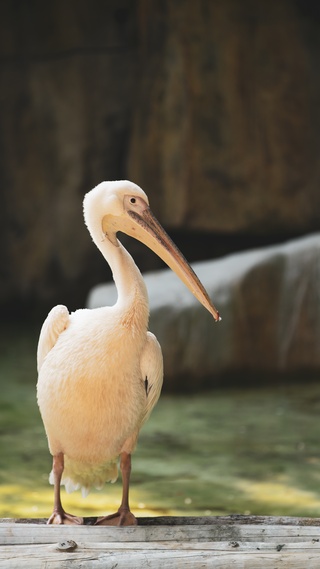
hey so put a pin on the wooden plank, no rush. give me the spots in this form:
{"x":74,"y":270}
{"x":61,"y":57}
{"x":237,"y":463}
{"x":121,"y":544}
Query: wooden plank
{"x":176,"y":559}
{"x":240,"y":542}
{"x":18,"y":534}
{"x":248,"y":547}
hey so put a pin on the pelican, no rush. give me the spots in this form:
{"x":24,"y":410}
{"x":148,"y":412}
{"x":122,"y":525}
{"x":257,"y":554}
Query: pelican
{"x":100,"y":371}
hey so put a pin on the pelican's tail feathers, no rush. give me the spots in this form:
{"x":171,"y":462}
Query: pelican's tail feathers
{"x":80,"y":475}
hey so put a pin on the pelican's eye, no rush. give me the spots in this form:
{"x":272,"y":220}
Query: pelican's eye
{"x":134,"y":204}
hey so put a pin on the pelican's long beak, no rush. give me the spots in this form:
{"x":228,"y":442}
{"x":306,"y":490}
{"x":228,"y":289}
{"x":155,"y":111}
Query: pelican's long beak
{"x":145,"y":227}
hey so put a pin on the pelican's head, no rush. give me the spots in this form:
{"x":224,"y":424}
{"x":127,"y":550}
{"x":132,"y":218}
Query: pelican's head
{"x":124,"y":206}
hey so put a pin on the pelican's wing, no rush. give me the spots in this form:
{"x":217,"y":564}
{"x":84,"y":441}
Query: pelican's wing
{"x":152,"y":373}
{"x":56,"y":321}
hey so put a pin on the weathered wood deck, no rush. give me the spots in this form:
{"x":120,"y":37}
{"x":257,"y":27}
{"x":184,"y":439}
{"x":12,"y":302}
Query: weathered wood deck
{"x":246,"y":542}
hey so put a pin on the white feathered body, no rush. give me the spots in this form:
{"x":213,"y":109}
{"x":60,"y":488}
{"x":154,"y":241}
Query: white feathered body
{"x":101,"y":371}
{"x":91,"y":386}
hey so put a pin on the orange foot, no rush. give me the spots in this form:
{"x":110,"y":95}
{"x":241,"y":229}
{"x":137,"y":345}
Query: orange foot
{"x":120,"y":518}
{"x":62,"y":517}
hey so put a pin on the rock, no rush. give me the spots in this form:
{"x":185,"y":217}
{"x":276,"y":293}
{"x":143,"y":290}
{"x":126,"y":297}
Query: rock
{"x":269,"y":302}
{"x":67,"y":73}
{"x":224,"y":125}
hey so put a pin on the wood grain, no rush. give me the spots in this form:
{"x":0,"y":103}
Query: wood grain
{"x":244,"y":542}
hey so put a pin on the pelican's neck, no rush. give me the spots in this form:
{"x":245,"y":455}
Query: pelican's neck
{"x":132,"y":292}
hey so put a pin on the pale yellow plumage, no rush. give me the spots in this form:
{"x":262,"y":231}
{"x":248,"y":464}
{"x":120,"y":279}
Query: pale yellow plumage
{"x":101,"y":371}
{"x":92,"y":379}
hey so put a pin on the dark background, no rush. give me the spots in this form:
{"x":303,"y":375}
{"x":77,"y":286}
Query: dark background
{"x":211,"y":106}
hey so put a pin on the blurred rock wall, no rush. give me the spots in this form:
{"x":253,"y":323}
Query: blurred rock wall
{"x":212,"y":107}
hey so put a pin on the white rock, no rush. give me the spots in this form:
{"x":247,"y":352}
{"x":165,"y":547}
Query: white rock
{"x":269,"y":300}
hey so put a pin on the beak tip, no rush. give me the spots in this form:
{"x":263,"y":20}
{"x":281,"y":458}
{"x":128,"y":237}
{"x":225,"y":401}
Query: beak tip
{"x":217,"y":317}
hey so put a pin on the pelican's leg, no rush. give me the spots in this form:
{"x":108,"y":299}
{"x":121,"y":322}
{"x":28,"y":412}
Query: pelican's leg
{"x":59,"y":516}
{"x":126,"y":517}
{"x":123,"y":517}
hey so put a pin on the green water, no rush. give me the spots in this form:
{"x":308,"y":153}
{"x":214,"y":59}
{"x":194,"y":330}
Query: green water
{"x":227,"y":451}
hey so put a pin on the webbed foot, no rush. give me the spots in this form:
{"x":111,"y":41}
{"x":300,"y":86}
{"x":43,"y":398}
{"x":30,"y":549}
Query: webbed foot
{"x":62,"y":518}
{"x":123,"y":517}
